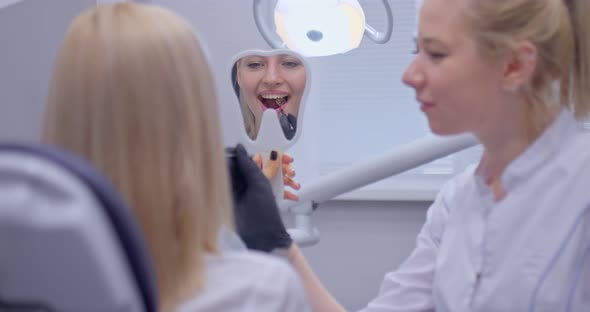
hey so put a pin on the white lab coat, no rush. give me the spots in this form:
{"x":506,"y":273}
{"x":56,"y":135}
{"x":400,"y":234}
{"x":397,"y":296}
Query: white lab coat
{"x":239,"y":280}
{"x":528,"y":252}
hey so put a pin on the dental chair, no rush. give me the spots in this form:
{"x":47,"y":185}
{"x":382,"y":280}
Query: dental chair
{"x":67,"y":240}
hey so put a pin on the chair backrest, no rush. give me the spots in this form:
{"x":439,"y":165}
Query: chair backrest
{"x":68,"y":242}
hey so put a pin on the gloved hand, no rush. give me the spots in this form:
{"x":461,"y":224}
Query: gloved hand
{"x":256,"y":212}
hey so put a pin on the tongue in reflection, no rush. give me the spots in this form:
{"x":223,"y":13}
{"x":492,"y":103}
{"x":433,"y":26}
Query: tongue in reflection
{"x":274,"y":103}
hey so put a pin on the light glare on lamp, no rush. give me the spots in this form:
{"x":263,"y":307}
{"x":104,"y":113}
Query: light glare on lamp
{"x":320,"y":27}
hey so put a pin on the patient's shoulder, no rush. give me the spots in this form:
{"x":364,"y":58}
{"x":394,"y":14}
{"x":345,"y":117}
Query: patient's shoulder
{"x":248,"y":263}
{"x":249,"y":281}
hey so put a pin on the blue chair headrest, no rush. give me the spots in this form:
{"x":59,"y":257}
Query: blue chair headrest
{"x":58,"y":213}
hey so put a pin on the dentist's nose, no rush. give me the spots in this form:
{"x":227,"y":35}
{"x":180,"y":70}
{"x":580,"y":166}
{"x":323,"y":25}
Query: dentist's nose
{"x":272,"y":76}
{"x":413,"y":76}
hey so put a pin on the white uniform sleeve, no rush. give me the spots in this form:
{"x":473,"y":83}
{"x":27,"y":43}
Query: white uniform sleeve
{"x":409,"y":288}
{"x":279,"y":290}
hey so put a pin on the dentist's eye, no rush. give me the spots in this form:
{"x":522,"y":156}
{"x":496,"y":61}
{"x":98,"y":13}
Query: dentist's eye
{"x":436,"y":56}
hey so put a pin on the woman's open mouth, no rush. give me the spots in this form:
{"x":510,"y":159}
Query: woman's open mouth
{"x":274,"y":101}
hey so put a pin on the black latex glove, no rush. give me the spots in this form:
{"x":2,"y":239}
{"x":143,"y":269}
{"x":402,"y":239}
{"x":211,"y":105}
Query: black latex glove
{"x":256,"y":212}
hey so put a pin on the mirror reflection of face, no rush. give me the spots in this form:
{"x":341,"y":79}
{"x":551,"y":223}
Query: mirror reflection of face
{"x":274,"y":82}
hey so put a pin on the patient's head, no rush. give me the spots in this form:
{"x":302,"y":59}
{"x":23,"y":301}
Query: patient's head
{"x":268,"y":82}
{"x":133,"y":93}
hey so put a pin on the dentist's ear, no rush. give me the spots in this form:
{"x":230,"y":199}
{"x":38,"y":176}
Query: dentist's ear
{"x":520,"y":66}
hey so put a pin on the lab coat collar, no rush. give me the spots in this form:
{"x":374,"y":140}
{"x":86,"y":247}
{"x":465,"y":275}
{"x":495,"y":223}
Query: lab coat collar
{"x":549,"y":143}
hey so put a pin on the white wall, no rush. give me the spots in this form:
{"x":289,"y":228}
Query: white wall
{"x":30,"y":34}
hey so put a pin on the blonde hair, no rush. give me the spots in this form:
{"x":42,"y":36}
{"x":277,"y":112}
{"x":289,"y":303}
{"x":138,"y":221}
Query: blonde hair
{"x":561,"y":34}
{"x":247,"y":115}
{"x":249,"y":119}
{"x":133,"y":93}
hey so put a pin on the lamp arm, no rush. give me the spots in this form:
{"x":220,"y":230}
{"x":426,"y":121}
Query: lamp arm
{"x":395,"y":161}
{"x":263,"y":27}
{"x":382,"y":37}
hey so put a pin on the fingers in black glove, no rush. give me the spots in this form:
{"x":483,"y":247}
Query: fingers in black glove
{"x":258,"y":221}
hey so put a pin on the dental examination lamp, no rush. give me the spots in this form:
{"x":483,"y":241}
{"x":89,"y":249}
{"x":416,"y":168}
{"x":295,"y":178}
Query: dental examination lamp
{"x":320,"y":27}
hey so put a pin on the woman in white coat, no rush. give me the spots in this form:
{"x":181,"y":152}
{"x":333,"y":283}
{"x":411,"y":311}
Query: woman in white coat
{"x":132,"y":92}
{"x":511,"y":234}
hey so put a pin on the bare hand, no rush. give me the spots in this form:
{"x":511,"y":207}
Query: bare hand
{"x":270,"y":169}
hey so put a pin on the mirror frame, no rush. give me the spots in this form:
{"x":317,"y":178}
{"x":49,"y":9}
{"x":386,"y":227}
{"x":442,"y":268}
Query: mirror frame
{"x":260,"y":144}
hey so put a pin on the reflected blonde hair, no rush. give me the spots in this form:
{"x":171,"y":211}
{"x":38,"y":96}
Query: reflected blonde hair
{"x":133,"y":93}
{"x":247,"y":115}
{"x":562,"y":36}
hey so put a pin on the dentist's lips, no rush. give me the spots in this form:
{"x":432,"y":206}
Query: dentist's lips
{"x":425,"y":106}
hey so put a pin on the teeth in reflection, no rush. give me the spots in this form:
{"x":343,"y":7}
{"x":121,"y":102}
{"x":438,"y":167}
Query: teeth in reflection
{"x":280,"y":101}
{"x":273,"y":96}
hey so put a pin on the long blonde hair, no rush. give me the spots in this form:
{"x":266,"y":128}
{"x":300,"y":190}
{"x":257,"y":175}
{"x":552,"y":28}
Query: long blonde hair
{"x":247,"y":115}
{"x":561,"y":32}
{"x":133,"y":93}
